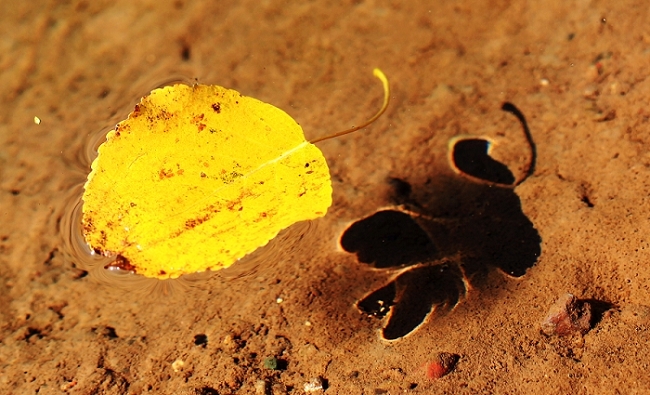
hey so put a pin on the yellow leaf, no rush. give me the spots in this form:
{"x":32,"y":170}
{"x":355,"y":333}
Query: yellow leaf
{"x":196,"y":178}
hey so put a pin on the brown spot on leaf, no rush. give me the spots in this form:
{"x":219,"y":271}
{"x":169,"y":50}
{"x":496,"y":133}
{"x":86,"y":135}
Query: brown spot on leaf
{"x":192,"y":223}
{"x":165,"y":173}
{"x":102,"y":237}
{"x":217,"y":107}
{"x":121,"y":263}
{"x":88,"y":225}
{"x":261,"y":216}
{"x":197,"y":121}
{"x":165,"y":115}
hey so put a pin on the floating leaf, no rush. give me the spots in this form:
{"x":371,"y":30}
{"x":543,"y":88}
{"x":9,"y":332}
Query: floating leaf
{"x":199,"y":176}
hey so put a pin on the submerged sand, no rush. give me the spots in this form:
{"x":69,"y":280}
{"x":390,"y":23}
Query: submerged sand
{"x":488,"y":259}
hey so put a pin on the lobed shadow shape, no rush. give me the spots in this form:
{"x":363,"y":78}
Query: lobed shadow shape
{"x":450,"y":240}
{"x":389,"y":229}
{"x":471,"y":157}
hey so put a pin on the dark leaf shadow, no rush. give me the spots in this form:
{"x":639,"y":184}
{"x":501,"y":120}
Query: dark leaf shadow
{"x":485,"y":225}
{"x":389,"y":229}
{"x":471,"y":157}
{"x":413,"y":295}
{"x":447,"y":239}
{"x":378,"y":303}
{"x":448,"y":242}
{"x":416,"y":300}
{"x":599,"y":307}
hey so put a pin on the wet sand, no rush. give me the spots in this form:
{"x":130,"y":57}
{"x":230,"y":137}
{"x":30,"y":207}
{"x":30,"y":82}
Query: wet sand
{"x":361,"y":302}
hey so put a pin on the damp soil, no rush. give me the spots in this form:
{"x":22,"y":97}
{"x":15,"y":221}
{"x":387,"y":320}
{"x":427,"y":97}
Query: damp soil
{"x":456,"y":223}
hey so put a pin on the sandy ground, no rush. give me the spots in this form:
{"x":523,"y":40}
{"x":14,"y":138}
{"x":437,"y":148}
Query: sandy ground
{"x":488,"y":259}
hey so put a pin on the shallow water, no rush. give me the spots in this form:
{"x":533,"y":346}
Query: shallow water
{"x":289,"y":241}
{"x":77,"y":250}
{"x":452,"y":65}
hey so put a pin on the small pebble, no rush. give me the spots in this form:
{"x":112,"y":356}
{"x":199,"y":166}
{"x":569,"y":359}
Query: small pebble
{"x":568,"y":316}
{"x":261,"y":387}
{"x":314,"y":385}
{"x":68,"y":385}
{"x":37,"y":120}
{"x":274,"y":363}
{"x":177,"y":365}
{"x":591,"y":92}
{"x":442,"y":365}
